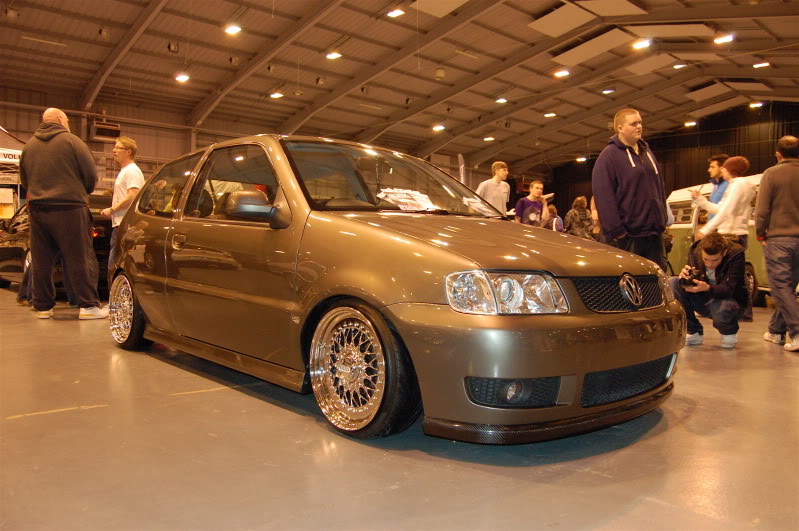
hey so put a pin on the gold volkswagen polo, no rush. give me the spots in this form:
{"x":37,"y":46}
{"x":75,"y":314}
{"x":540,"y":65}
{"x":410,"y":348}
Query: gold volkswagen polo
{"x":389,"y":290}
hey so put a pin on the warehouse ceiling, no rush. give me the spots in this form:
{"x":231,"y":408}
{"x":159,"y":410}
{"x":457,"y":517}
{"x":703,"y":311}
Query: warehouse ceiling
{"x":488,"y":71}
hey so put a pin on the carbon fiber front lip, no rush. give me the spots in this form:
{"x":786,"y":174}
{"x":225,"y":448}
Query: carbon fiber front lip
{"x":543,"y":431}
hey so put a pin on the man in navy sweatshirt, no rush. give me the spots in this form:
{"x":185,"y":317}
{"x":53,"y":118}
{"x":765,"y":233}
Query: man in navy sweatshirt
{"x":629,"y":191}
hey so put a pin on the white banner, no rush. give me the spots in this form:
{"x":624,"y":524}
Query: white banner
{"x":10,"y":156}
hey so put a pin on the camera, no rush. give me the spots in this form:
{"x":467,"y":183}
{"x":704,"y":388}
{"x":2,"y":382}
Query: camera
{"x":693,"y":275}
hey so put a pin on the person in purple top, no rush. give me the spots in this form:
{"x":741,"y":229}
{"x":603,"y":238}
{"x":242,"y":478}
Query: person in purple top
{"x":629,"y":191}
{"x":532,"y":210}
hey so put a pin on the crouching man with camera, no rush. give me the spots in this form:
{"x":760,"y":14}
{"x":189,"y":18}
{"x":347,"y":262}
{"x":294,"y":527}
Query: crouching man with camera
{"x":712,"y":284}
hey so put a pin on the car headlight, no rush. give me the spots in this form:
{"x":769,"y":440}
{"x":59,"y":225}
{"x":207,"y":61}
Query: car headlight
{"x":485,"y":293}
{"x":665,"y":285}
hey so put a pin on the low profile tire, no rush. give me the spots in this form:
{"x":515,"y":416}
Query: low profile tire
{"x":361,"y":375}
{"x":126,"y":316}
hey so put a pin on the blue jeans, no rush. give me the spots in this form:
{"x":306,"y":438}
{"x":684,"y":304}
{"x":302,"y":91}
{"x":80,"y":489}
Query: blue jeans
{"x":782,"y":266}
{"x":724,"y":312}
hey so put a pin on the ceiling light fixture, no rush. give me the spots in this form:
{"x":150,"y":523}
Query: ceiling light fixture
{"x":755,"y":104}
{"x":11,"y":13}
{"x":173,"y":46}
{"x":642,"y":43}
{"x":232,"y":28}
{"x":234,"y":60}
{"x":439,"y":127}
{"x":396,"y":12}
{"x":182,"y":76}
{"x":320,"y":80}
{"x":276,"y":94}
{"x":679,"y":65}
{"x":439,"y":73}
{"x":689,"y":124}
{"x":550,"y":115}
{"x":581,"y":159}
{"x":333,"y":51}
{"x":761,"y":65}
{"x":488,"y":139}
{"x":104,"y":33}
{"x":723,"y":39}
{"x":608,"y":91}
{"x":561,"y":73}
{"x":501,"y":99}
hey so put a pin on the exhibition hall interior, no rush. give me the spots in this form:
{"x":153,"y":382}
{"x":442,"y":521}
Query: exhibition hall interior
{"x":382,"y":265}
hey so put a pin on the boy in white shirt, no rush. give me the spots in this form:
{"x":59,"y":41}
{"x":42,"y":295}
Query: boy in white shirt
{"x":128,"y":183}
{"x":495,"y":190}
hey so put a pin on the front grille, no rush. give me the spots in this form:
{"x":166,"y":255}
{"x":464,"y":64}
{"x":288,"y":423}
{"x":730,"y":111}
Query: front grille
{"x":603,"y":294}
{"x":538,"y":392}
{"x":604,"y":387}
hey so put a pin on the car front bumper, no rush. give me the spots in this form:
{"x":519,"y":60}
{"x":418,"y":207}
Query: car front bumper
{"x":450,"y":349}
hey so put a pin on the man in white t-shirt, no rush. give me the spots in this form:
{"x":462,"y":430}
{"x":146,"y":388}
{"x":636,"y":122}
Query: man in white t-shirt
{"x":128,"y":183}
{"x":495,"y":190}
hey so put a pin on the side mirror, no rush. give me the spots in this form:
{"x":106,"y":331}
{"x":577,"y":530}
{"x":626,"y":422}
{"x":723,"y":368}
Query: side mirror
{"x":255,"y":205}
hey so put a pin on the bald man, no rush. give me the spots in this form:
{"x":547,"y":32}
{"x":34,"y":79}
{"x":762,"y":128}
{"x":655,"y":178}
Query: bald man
{"x":57,"y":170}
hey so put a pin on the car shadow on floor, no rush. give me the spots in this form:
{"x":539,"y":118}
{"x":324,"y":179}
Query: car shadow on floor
{"x":574,"y":448}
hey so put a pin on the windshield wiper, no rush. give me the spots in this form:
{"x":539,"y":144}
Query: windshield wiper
{"x":436,"y":211}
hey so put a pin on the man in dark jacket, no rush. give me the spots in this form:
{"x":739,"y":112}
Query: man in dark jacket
{"x":720,"y":290}
{"x":629,"y":191}
{"x":57,"y":170}
{"x":777,"y":227}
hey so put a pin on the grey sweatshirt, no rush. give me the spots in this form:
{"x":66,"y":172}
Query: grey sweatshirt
{"x":777,"y":208}
{"x":57,"y":168}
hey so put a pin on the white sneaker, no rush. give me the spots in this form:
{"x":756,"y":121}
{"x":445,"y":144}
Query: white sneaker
{"x":774,"y":338}
{"x":46,"y":314}
{"x":729,"y":341}
{"x":694,"y":339}
{"x":791,"y":343}
{"x":93,"y":313}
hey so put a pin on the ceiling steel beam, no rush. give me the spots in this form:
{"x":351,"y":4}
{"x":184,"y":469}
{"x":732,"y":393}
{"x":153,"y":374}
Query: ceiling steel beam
{"x":742,"y":47}
{"x":205,"y":107}
{"x":704,"y":14}
{"x":469,"y":12}
{"x":665,"y":15}
{"x":529,"y":102}
{"x":667,"y":114}
{"x":791,"y":72}
{"x":446,"y":93}
{"x":125,"y":43}
{"x":611,"y":106}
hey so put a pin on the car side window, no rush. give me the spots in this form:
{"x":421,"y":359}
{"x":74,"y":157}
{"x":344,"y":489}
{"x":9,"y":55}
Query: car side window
{"x":160,"y":196}
{"x":228,"y":170}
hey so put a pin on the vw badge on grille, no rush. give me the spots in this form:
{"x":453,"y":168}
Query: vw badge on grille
{"x":631,"y":291}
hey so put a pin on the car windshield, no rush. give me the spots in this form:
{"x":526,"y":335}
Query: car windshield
{"x":348,"y":177}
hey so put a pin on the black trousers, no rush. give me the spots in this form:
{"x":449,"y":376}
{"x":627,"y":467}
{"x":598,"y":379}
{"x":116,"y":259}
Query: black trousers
{"x":650,"y":247}
{"x":67,"y":230}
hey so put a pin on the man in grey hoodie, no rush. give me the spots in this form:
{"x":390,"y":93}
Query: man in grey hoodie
{"x":57,"y":170}
{"x":629,"y":191}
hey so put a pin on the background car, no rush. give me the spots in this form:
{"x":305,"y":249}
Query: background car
{"x":15,"y":254}
{"x":386,"y":287}
{"x":688,"y":218}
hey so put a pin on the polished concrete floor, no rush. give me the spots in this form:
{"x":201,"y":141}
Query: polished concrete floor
{"x":97,"y":438}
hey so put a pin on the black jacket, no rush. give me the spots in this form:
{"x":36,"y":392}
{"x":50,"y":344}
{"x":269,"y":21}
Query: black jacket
{"x":56,"y":168}
{"x":730,"y":282}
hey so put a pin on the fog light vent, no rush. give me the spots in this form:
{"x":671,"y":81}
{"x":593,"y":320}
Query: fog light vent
{"x":516,"y":393}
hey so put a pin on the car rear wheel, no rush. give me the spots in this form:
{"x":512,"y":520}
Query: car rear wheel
{"x":361,"y":375}
{"x":752,"y":286}
{"x":126,"y":316}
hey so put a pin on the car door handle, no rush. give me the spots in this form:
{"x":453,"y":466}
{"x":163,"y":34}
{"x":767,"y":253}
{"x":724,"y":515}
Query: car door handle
{"x":178,"y":241}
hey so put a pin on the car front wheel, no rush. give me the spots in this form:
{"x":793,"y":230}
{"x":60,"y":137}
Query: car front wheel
{"x":126,"y":316}
{"x":361,"y":375}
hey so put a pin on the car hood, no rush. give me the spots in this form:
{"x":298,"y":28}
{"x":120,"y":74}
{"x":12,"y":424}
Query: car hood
{"x":500,"y":244}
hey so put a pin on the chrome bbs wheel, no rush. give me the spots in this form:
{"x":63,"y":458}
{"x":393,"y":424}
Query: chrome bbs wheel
{"x":120,"y":303}
{"x":348,"y":368}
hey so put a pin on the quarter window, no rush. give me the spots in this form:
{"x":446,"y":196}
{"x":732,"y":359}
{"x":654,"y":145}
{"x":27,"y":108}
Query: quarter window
{"x":160,"y":196}
{"x":228,"y":170}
